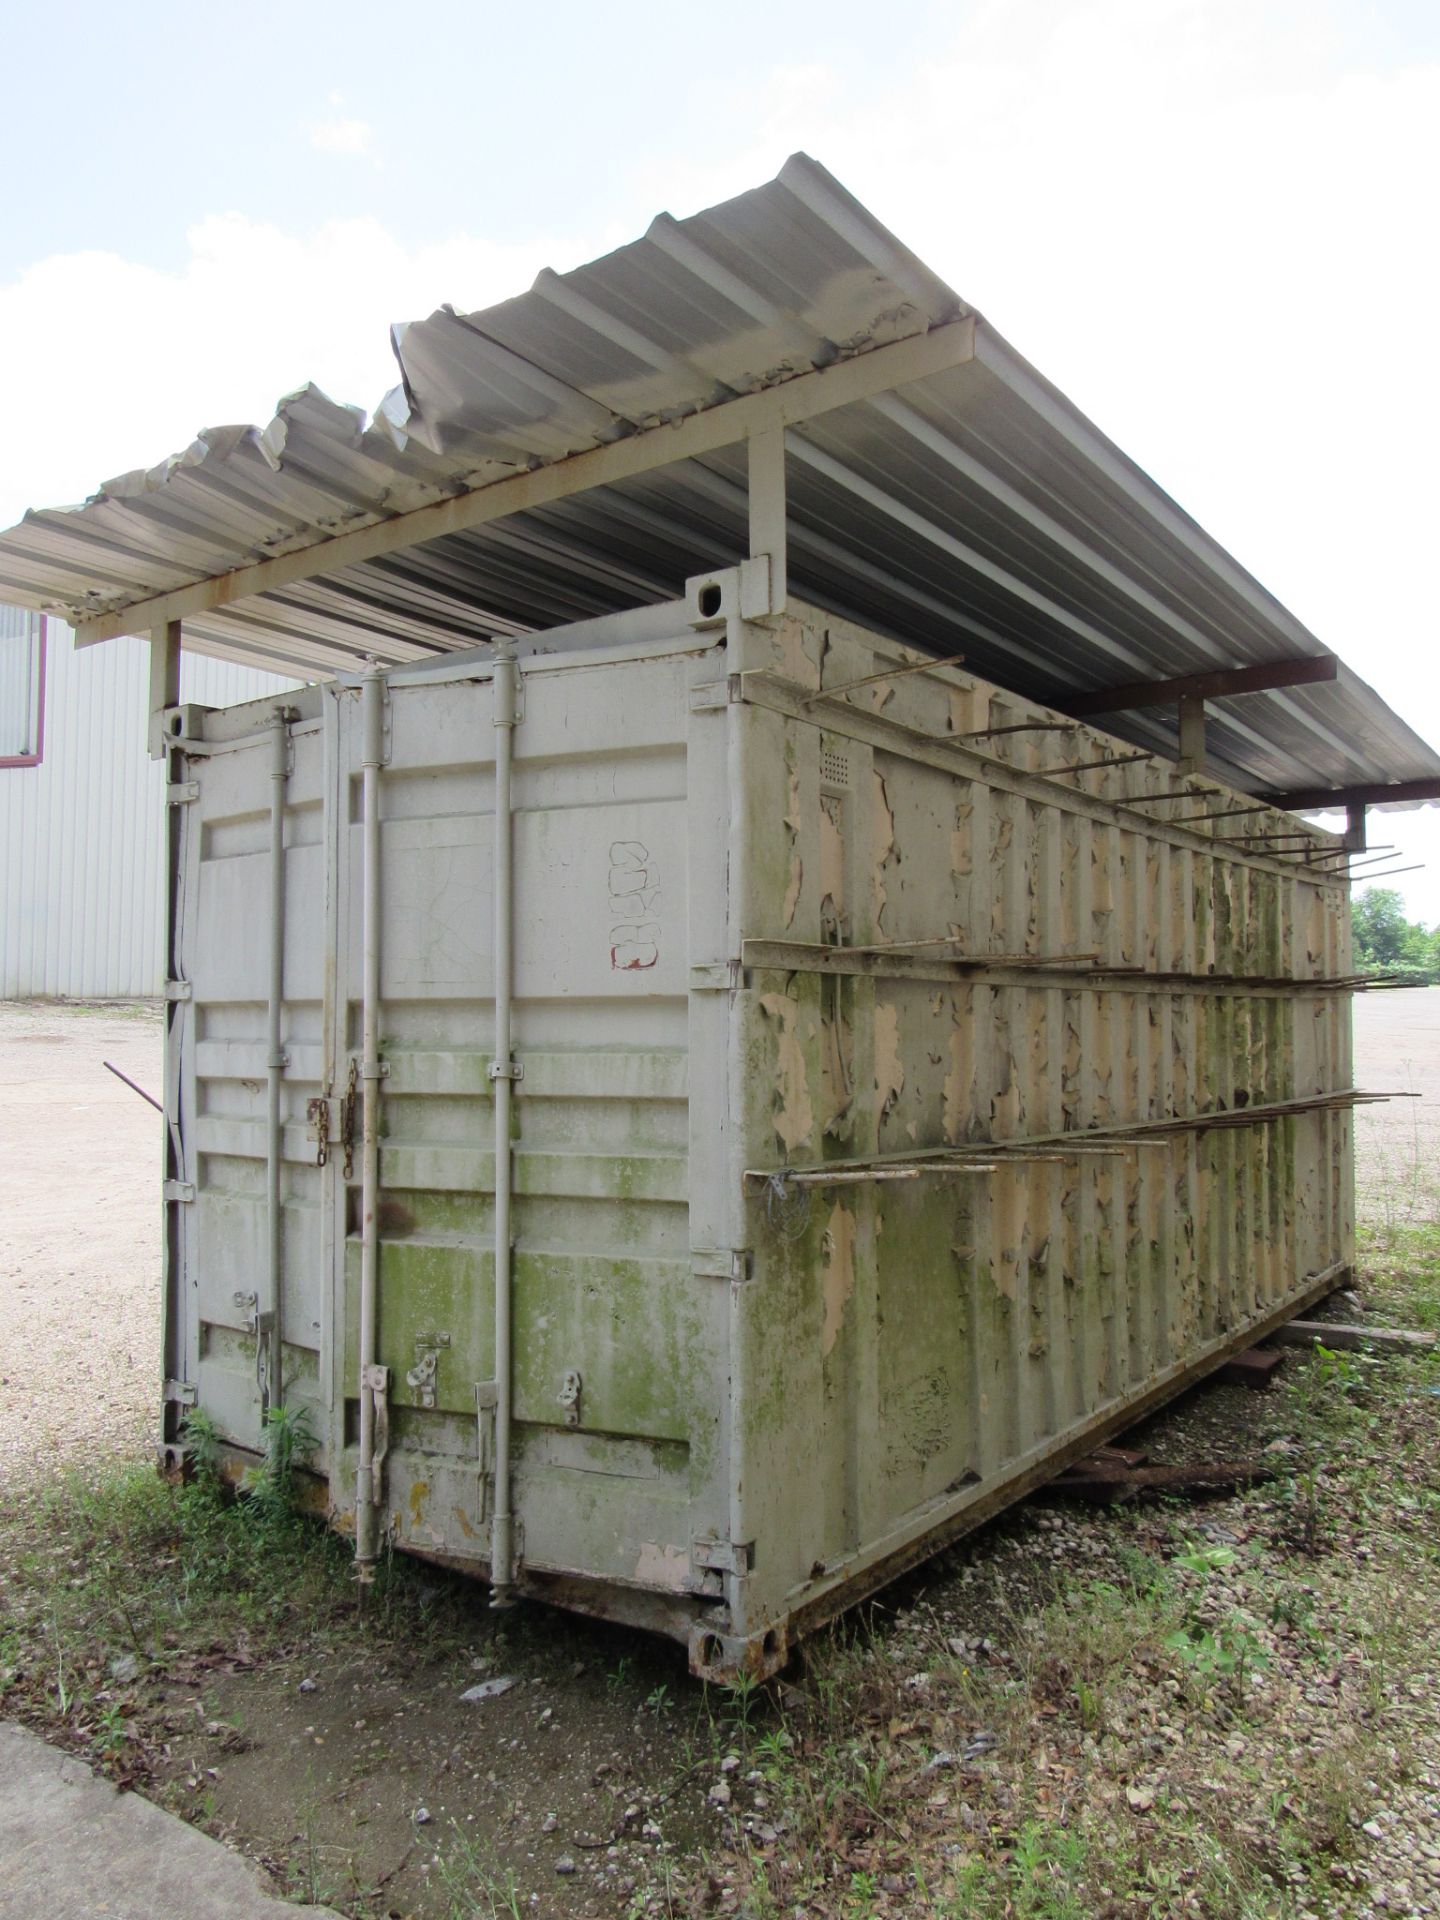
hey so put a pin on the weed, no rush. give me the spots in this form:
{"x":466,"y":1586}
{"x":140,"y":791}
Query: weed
{"x":871,"y":1776}
{"x":1225,"y":1650}
{"x":740,"y":1699}
{"x":864,"y":1890}
{"x":1219,"y":1653}
{"x":203,"y":1445}
{"x":473,"y":1881}
{"x":289,"y":1439}
{"x":1294,"y":1608}
{"x":110,"y":1732}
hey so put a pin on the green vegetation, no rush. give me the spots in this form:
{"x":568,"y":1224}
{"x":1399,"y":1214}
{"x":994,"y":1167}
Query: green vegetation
{"x":1385,"y":941}
{"x":116,"y":1579}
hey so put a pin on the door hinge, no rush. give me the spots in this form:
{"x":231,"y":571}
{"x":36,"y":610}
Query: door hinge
{"x":182,"y":1393}
{"x":375,"y":1380}
{"x":715,"y":976}
{"x":423,"y":1375}
{"x":182,"y":1192}
{"x":486,"y":1400}
{"x":181,"y":792}
{"x":569,"y":1396}
{"x":179,"y":990}
{"x":708,"y":1554}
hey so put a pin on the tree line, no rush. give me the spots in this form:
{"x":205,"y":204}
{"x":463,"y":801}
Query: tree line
{"x":1385,"y":941}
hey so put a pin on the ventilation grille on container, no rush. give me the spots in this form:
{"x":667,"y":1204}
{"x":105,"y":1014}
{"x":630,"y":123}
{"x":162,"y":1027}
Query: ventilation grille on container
{"x":834,"y":768}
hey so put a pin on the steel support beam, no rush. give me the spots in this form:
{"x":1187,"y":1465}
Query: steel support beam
{"x":164,"y":680}
{"x":1221,"y":683}
{"x":1337,"y":799}
{"x":1192,"y":733}
{"x":728,"y":424}
{"x":766,"y":459}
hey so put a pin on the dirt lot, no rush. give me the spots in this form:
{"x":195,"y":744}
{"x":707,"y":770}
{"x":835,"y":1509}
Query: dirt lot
{"x":603,"y":1782}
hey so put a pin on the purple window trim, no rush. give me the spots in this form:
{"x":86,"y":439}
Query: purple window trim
{"x":34,"y":759}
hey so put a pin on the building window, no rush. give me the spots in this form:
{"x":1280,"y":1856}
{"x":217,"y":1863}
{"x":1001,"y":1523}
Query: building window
{"x":22,"y":687}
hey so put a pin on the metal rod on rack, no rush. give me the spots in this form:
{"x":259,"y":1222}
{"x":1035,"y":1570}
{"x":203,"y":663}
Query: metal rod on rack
{"x":1089,"y":766}
{"x":890,"y":673}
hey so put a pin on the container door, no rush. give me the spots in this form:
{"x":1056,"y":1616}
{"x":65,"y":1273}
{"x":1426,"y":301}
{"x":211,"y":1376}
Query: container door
{"x":612,"y":1331}
{"x":219,"y":1304}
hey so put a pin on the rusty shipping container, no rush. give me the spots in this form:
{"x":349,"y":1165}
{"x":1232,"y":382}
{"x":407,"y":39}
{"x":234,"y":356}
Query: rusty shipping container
{"x":688,"y":1053}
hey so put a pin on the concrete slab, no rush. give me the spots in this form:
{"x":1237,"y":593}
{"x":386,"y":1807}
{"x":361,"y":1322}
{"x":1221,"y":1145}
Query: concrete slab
{"x":73,"y":1848}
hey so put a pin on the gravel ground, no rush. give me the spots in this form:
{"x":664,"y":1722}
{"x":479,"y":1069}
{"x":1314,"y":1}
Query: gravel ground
{"x":1397,"y":1146}
{"x":79,"y":1260}
{"x":79,"y":1254}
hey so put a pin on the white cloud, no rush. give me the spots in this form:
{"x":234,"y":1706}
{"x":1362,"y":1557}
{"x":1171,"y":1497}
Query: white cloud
{"x":112,"y":364}
{"x":341,"y":136}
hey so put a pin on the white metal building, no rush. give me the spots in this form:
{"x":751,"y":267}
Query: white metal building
{"x":81,"y":804}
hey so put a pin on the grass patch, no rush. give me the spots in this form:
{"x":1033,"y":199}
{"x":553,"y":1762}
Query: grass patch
{"x":114,"y":1580}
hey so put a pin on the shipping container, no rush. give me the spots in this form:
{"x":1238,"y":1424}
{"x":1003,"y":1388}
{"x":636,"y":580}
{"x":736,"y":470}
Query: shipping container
{"x":689,"y":1055}
{"x":888,"y":1113}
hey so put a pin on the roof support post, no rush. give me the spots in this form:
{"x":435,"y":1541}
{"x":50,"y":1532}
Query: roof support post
{"x":765,"y":453}
{"x":1355,"y":827}
{"x":164,"y":680}
{"x":1192,"y":733}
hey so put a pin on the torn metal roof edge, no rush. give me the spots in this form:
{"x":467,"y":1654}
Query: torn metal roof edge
{"x":802,"y":397}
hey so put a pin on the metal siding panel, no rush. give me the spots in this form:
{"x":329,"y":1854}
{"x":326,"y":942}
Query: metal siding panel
{"x":81,"y":832}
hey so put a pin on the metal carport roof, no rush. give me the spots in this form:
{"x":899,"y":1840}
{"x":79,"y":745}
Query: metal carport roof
{"x":581,"y":449}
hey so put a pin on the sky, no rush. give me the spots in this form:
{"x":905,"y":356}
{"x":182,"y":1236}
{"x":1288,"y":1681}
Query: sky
{"x":1212,"y":223}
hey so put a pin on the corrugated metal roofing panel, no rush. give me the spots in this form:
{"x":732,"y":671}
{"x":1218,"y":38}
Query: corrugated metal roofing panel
{"x":974,"y":509}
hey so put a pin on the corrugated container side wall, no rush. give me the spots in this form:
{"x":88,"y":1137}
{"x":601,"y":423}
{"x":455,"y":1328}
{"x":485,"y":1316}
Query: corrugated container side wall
{"x":81,"y":905}
{"x":912,"y":1345}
